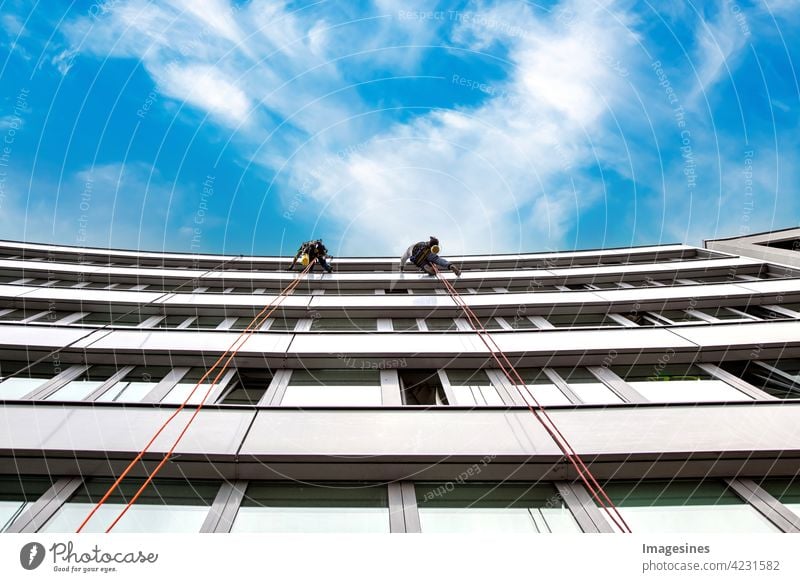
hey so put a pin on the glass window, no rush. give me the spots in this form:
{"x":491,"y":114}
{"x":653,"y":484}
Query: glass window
{"x":520,"y":322}
{"x":343,"y":324}
{"x":540,"y":387}
{"x":171,"y":321}
{"x":282,"y":324}
{"x":787,"y":491}
{"x":241,"y":323}
{"x":20,"y":314}
{"x":24,"y":382}
{"x":588,"y":388}
{"x":684,"y":507}
{"x":779,"y":378}
{"x":490,"y":323}
{"x":677,"y":383}
{"x":582,"y":320}
{"x":165,"y":506}
{"x":85,"y":384}
{"x":763,"y":312}
{"x":722,"y":313}
{"x":206,"y":322}
{"x":313,"y":508}
{"x":181,"y":391}
{"x":493,"y":508}
{"x":16,"y":493}
{"x":679,"y":316}
{"x":404,"y":324}
{"x":333,"y":388}
{"x":791,"y":306}
{"x":120,"y":319}
{"x":248,"y":386}
{"x":135,"y":385}
{"x":422,"y":388}
{"x":473,"y":388}
{"x":440,"y":324}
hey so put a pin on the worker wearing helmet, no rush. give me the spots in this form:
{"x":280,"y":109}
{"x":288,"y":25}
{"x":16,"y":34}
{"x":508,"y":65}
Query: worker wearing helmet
{"x":425,"y":254}
{"x":310,"y":250}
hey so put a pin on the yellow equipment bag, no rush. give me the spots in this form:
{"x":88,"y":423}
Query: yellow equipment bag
{"x":304,"y":259}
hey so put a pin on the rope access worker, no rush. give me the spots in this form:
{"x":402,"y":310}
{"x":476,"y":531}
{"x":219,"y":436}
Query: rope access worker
{"x":424,"y":254}
{"x":310,"y":250}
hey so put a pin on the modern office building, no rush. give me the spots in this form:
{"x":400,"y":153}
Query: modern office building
{"x":367,"y":402}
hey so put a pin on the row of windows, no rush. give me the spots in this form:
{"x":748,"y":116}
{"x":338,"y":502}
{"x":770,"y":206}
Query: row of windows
{"x":172,"y":505}
{"x":545,"y":263}
{"x":604,"y":283}
{"x":363,"y":387}
{"x":518,"y":322}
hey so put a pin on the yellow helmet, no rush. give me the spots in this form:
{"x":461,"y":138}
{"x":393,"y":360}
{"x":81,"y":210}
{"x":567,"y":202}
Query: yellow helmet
{"x":435,"y":249}
{"x":304,"y":259}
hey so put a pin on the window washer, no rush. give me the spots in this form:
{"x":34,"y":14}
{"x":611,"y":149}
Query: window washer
{"x":310,"y":250}
{"x":424,"y":254}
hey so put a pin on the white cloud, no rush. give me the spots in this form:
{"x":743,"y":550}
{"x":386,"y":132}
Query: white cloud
{"x":206,"y":88}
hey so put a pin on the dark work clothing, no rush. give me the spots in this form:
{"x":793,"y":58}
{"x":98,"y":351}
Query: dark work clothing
{"x":315,"y":250}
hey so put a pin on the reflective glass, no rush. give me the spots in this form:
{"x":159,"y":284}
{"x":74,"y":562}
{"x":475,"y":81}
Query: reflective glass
{"x":165,"y":506}
{"x":685,"y":507}
{"x":307,"y":508}
{"x":677,"y":383}
{"x":333,"y":388}
{"x":85,"y":384}
{"x":26,"y":381}
{"x":492,"y":508}
{"x":16,"y":493}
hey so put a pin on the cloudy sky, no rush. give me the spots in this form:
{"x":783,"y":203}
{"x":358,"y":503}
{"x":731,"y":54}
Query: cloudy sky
{"x":248,"y":126}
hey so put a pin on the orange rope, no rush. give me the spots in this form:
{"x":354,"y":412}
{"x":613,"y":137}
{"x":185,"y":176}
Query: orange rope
{"x":539,"y":412}
{"x":256,"y":322}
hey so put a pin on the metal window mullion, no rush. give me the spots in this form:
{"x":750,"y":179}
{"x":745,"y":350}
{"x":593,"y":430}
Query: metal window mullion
{"x":621,"y":319}
{"x":397,"y":518}
{"x":226,"y":505}
{"x":166,"y":384}
{"x":277,"y":389}
{"x":105,"y":386}
{"x":508,"y":393}
{"x":219,"y":388}
{"x":410,"y":509}
{"x":384,"y":324}
{"x":562,"y":385}
{"x":541,"y":322}
{"x":42,"y":510}
{"x":390,"y":388}
{"x":765,"y":504}
{"x":589,"y":517}
{"x":616,"y":384}
{"x":56,"y":383}
{"x":735,"y":382}
{"x":446,"y":386}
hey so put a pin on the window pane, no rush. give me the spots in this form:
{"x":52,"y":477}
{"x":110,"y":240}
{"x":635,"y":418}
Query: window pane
{"x":422,"y":388}
{"x":440,"y":324}
{"x":24,"y":382}
{"x":685,"y":507}
{"x":206,"y":322}
{"x":166,"y":505}
{"x":185,"y":385}
{"x":539,"y":386}
{"x":135,"y":385}
{"x":249,"y":386}
{"x":586,"y":387}
{"x":787,"y":491}
{"x":520,"y":322}
{"x":677,"y":383}
{"x":333,"y":388}
{"x":172,"y":321}
{"x":679,"y":316}
{"x":343,"y":324}
{"x":404,"y":324}
{"x":582,"y":320}
{"x":490,"y":508}
{"x":321,"y":508}
{"x":722,"y":313}
{"x":473,"y":388}
{"x":16,"y":493}
{"x":105,"y":317}
{"x":85,"y":384}
{"x":779,"y":378}
{"x":282,"y":324}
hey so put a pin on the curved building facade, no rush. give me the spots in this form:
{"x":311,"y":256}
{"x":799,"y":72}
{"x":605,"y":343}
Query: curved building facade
{"x":367,"y":402}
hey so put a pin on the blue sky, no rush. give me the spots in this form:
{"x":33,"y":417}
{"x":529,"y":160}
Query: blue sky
{"x":246,"y":127}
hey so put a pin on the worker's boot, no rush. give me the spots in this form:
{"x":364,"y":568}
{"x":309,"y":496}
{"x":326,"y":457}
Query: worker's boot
{"x":456,"y":270}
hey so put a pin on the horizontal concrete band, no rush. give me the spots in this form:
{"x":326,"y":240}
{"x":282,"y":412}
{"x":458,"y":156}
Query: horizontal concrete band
{"x":749,"y":439}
